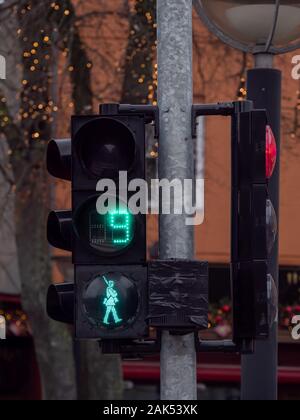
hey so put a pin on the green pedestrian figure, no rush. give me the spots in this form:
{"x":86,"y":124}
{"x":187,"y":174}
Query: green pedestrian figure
{"x":110,"y":302}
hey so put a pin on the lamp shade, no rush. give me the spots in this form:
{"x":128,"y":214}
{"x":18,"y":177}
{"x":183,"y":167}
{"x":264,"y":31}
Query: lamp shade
{"x":251,"y":25}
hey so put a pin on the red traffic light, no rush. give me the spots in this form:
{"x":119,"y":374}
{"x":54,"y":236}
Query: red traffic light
{"x":271,"y":152}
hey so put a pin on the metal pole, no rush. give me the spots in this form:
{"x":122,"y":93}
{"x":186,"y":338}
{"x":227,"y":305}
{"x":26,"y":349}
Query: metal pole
{"x":176,"y":157}
{"x":260,"y":371}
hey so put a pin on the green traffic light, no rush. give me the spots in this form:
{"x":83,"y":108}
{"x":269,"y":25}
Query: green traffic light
{"x":111,"y":301}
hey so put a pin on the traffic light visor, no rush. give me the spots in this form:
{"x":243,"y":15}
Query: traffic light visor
{"x":60,"y":302}
{"x":59,"y":229}
{"x":59,"y":159}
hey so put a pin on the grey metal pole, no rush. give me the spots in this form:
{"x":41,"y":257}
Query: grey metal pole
{"x":260,"y":371}
{"x":176,"y":161}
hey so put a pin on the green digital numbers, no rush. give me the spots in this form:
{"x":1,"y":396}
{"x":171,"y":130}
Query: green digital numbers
{"x":119,"y":222}
{"x":107,"y":233}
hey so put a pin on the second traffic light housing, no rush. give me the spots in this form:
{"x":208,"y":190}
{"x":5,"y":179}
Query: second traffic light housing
{"x":254,"y":226}
{"x":253,"y":219}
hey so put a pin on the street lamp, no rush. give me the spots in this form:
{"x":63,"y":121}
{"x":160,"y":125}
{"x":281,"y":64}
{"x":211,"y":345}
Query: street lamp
{"x":256,"y":26}
{"x":263,"y":28}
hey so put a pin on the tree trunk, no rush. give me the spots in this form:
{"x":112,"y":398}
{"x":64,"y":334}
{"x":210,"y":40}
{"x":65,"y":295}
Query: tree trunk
{"x":108,"y":385}
{"x":53,"y":342}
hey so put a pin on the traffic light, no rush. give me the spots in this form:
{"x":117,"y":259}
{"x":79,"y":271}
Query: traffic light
{"x":254,"y":226}
{"x":102,"y":147}
{"x":111,"y":302}
{"x":108,"y":242}
{"x":253,"y":218}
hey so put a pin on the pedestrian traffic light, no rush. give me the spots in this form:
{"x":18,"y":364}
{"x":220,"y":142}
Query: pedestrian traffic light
{"x":109,"y":247}
{"x":107,"y":238}
{"x":111,"y":302}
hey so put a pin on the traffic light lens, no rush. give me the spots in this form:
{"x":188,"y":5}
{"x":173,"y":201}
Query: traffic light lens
{"x":271,"y":152}
{"x":111,"y":301}
{"x":272,"y":225}
{"x":105,"y":147}
{"x":109,"y":233}
{"x":272,"y":301}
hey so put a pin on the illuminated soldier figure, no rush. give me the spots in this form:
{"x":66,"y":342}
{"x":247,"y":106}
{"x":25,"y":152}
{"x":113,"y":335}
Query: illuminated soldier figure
{"x":110,"y":302}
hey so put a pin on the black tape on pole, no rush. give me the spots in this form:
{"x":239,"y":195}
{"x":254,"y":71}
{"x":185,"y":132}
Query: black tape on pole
{"x":178,"y":295}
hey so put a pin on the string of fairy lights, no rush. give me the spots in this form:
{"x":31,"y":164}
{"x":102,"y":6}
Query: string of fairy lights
{"x":220,"y":319}
{"x":36,"y":106}
{"x":36,"y":57}
{"x":296,"y":123}
{"x":35,"y":53}
{"x":139,"y":82}
{"x":16,"y":322}
{"x":242,"y":90}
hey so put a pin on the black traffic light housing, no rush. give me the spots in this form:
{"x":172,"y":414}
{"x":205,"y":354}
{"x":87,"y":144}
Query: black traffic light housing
{"x":109,"y":251}
{"x":103,"y":146}
{"x":251,"y":309}
{"x":249,"y":254}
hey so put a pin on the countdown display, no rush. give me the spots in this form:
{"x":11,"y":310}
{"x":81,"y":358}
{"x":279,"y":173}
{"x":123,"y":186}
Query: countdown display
{"x":106,"y":234}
